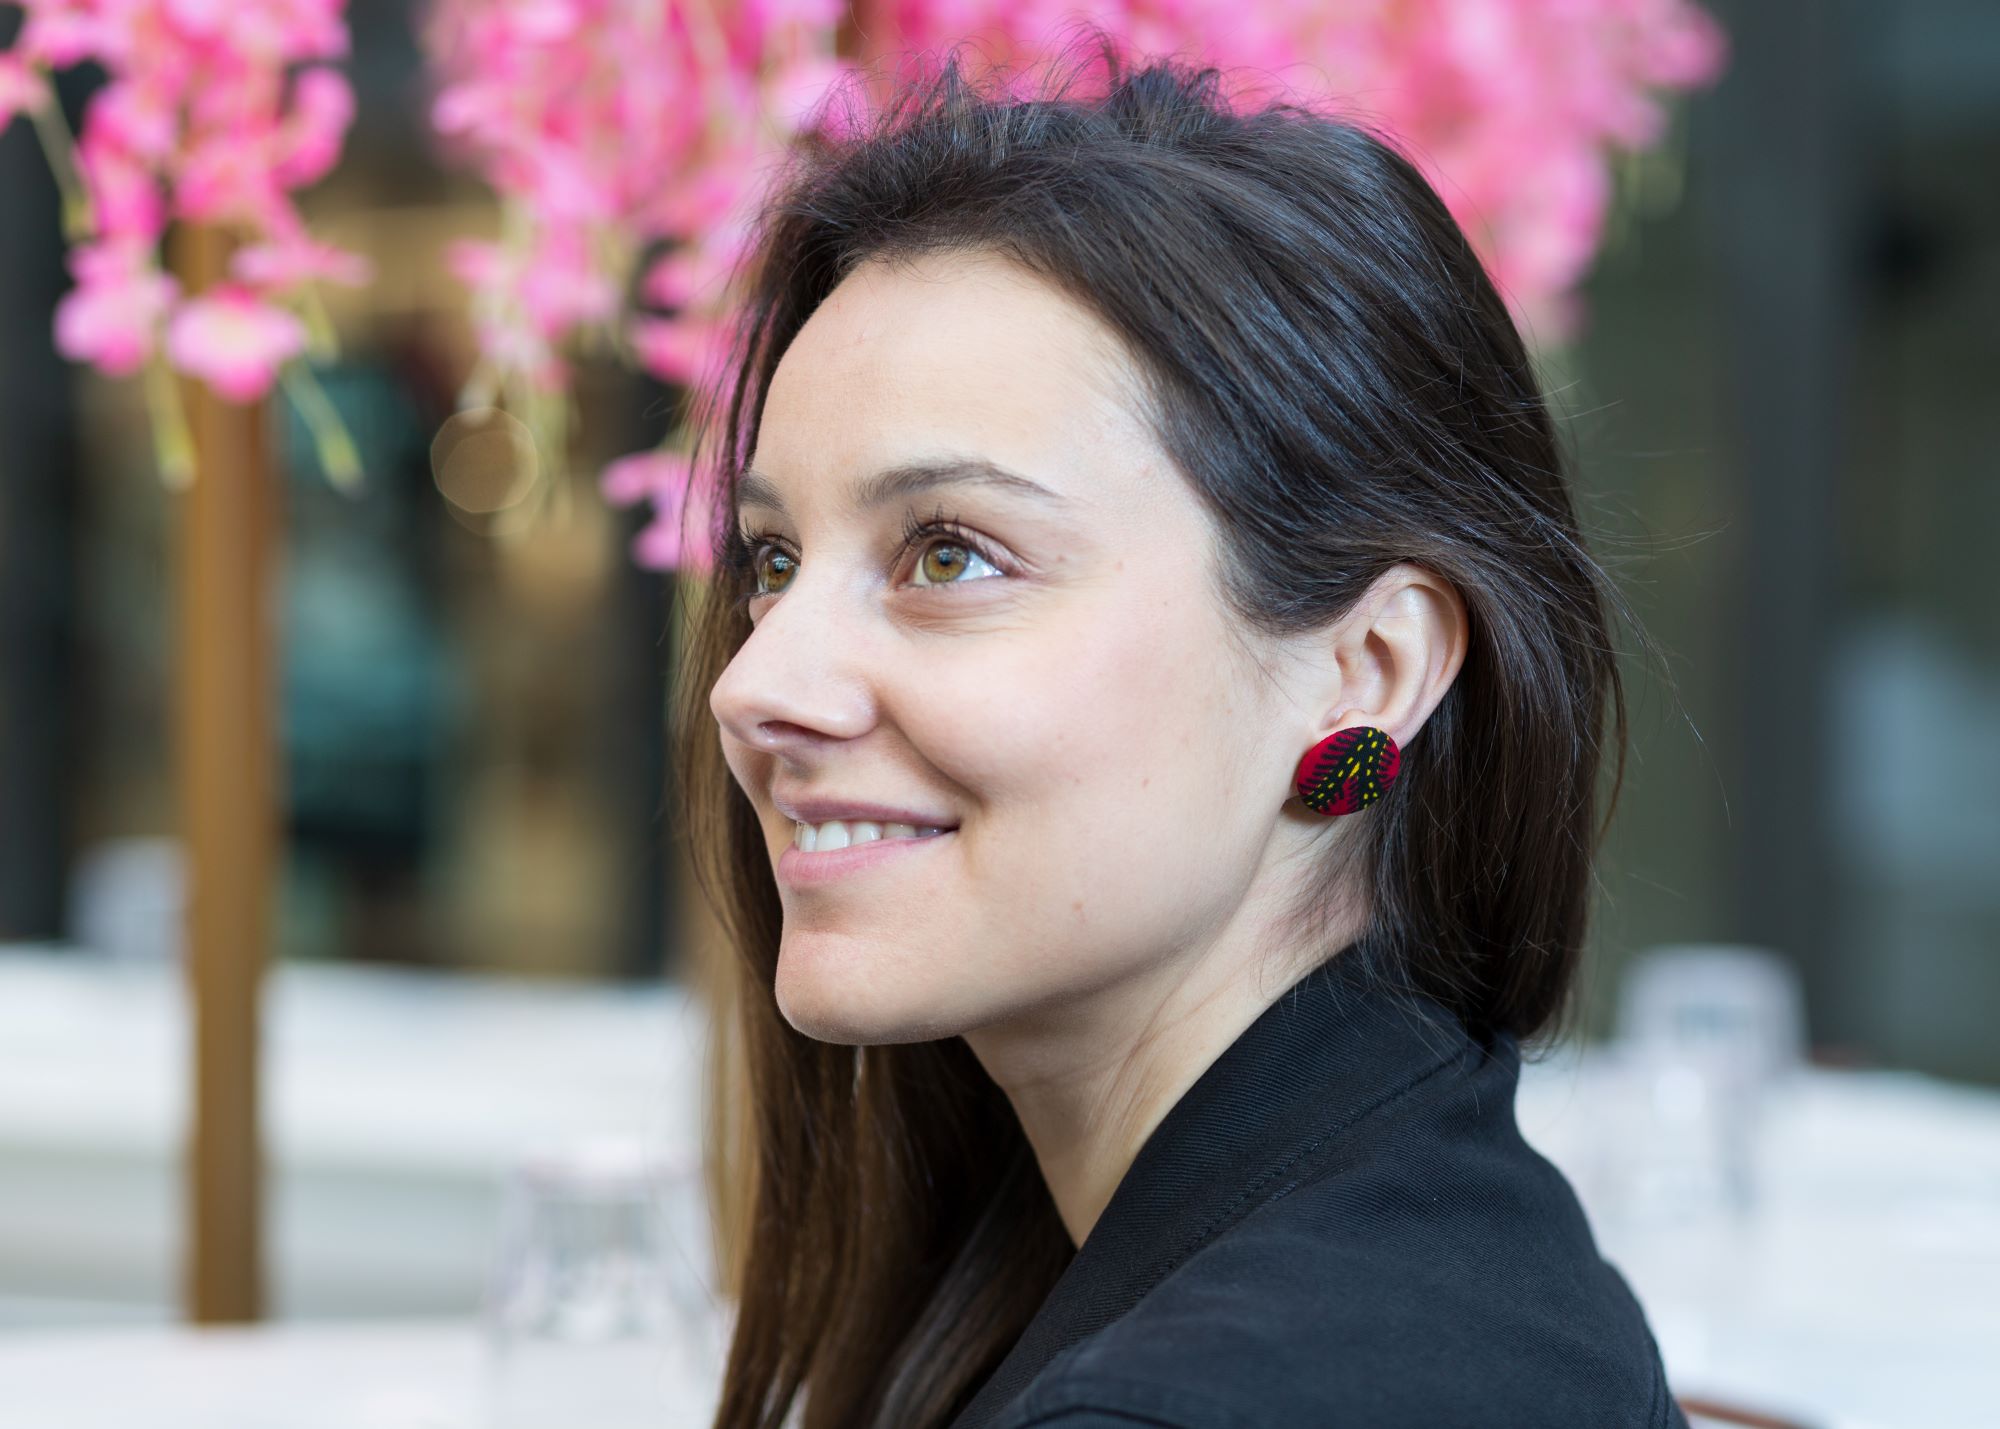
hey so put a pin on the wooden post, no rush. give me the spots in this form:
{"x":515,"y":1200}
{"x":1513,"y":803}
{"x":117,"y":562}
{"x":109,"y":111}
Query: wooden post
{"x":225,"y":766}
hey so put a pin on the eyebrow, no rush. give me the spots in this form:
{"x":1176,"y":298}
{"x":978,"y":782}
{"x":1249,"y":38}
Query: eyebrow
{"x":908,"y":479}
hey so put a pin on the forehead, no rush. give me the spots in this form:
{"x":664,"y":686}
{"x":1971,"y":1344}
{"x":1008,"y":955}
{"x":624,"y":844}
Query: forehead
{"x":955,"y":355}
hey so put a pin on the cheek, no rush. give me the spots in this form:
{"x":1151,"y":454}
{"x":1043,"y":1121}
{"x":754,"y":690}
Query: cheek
{"x":1101,"y":757}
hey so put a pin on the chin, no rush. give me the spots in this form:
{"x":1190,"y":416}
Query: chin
{"x":829,"y":998}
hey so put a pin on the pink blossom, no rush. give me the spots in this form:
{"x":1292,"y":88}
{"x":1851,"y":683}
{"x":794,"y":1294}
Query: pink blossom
{"x":712,"y":207}
{"x":461,"y":108}
{"x":563,"y":286}
{"x":112,"y":316}
{"x":22,"y":88}
{"x":60,"y":33}
{"x":643,"y":474}
{"x":298,"y":258}
{"x":678,"y":534}
{"x":672,"y":281}
{"x":568,"y":186}
{"x":308,"y":143}
{"x":1684,"y":45}
{"x":137,"y":119}
{"x":222,"y":178}
{"x":659,"y":545}
{"x":797,"y":87}
{"x":234,"y":341}
{"x":198,"y":19}
{"x":672,"y":349}
{"x":126,"y":196}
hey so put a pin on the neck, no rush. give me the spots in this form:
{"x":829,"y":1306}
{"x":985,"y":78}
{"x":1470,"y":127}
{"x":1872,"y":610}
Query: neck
{"x":1090,"y":1081}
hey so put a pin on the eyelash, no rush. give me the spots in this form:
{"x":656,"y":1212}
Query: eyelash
{"x":749,"y":545}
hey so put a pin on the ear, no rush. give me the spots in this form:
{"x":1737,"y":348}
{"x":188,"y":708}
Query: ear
{"x":1394,"y":655}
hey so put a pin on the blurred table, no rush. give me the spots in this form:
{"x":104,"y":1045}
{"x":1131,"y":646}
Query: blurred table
{"x":395,"y":1100}
{"x":380,"y":1375}
{"x":1859,"y":1295}
{"x":1858,"y":1291}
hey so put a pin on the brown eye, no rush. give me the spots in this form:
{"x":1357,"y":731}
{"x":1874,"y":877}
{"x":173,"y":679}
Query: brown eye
{"x":778,"y":557}
{"x":943,"y":562}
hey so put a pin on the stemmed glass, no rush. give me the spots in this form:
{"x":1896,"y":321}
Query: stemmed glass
{"x":600,"y":1310}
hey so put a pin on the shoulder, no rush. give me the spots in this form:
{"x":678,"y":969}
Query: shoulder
{"x":1372,"y":1300}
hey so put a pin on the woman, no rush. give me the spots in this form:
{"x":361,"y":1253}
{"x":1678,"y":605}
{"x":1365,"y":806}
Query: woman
{"x":1157,"y":690}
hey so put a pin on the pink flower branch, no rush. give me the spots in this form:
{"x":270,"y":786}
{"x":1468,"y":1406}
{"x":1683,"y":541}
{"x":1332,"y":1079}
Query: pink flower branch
{"x":213,"y":113}
{"x":617,"y":128}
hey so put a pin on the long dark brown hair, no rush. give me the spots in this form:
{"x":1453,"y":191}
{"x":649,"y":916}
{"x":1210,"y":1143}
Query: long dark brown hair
{"x":1337,"y":379}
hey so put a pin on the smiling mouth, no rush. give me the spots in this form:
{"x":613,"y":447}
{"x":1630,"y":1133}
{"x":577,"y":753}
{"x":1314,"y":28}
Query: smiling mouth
{"x":845,"y":833}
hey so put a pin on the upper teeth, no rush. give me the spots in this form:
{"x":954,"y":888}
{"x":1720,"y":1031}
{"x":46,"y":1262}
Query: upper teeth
{"x":839,"y":833}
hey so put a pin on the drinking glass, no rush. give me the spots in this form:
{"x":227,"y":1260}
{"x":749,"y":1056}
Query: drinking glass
{"x":599,"y":1310}
{"x":1705,"y":1033}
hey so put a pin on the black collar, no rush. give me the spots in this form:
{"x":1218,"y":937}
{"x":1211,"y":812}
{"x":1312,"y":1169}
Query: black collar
{"x":1334,"y":1045}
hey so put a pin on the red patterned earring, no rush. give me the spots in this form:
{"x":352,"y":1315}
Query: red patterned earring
{"x":1348,"y":770}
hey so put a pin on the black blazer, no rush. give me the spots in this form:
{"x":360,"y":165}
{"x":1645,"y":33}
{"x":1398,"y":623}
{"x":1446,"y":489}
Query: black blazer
{"x":1338,"y":1224}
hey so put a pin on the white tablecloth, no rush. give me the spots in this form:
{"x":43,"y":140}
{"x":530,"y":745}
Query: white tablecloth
{"x":1861,"y":1290}
{"x":394,"y":1102}
{"x":299,"y":1375}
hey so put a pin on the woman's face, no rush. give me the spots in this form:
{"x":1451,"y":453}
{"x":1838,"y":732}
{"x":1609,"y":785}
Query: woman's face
{"x":1059,"y":683}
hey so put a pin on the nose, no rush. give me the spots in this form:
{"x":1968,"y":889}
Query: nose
{"x":799,"y":681}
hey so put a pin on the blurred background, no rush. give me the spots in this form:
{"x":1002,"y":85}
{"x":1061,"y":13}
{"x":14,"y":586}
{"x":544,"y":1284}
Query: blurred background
{"x":479,"y":934}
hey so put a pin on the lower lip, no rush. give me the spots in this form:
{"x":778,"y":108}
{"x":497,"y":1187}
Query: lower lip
{"x":804,"y":870}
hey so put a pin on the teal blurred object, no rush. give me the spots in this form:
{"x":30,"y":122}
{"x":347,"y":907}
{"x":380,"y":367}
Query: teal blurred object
{"x":372,"y":686}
